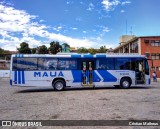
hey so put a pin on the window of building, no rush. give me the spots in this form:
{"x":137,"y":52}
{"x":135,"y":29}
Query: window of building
{"x":155,"y":42}
{"x":153,"y":68}
{"x":155,"y":56}
{"x":146,"y":41}
{"x":126,"y":49}
{"x":134,"y":47}
{"x":158,"y":68}
{"x":121,"y":50}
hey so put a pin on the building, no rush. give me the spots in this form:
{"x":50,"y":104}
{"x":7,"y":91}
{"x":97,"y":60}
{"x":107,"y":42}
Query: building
{"x":144,"y":45}
{"x":65,"y":48}
{"x":110,"y":50}
{"x":73,"y":49}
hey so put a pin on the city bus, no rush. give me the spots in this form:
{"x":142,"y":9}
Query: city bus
{"x":79,"y":70}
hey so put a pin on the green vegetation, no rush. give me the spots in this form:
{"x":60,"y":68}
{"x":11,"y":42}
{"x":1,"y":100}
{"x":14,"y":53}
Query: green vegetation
{"x":54,"y":48}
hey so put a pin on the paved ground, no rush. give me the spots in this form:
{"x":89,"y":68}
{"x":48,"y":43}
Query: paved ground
{"x":31,"y":103}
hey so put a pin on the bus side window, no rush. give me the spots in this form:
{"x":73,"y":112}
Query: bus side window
{"x":146,"y":67}
{"x":110,"y":64}
{"x":132,"y":64}
{"x":51,"y":64}
{"x":25,"y":64}
{"x":67,"y":64}
{"x":41,"y":62}
{"x":101,"y":64}
{"x":122,"y":63}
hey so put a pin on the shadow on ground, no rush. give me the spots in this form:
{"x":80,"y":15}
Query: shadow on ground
{"x":80,"y":89}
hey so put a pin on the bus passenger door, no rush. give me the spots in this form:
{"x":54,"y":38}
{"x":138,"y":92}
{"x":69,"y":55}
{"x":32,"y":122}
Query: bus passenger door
{"x":140,"y":72}
{"x":87,"y":73}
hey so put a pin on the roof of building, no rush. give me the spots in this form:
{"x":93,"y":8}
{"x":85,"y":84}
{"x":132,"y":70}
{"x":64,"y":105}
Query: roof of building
{"x":133,"y":39}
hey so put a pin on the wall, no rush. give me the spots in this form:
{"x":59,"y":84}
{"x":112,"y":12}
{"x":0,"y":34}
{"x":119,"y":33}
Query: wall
{"x":147,"y":48}
{"x":4,"y":73}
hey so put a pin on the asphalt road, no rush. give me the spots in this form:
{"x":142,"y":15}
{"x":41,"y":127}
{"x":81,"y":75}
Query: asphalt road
{"x":30,"y":103}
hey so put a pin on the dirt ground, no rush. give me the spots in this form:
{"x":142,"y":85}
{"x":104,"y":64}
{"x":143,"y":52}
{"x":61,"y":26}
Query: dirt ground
{"x":31,"y":103}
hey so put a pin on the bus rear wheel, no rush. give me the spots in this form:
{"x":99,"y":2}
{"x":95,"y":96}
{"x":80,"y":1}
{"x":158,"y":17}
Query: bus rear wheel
{"x":125,"y":83}
{"x":59,"y":85}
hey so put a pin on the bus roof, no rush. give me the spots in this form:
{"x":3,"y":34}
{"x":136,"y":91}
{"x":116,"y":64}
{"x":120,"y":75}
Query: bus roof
{"x":75,"y":55}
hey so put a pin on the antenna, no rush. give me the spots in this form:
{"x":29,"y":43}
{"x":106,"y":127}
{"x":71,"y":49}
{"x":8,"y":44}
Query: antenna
{"x":131,"y":31}
{"x":126,"y":27}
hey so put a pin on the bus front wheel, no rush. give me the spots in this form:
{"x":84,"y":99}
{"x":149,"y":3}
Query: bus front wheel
{"x":59,"y":85}
{"x":125,"y":83}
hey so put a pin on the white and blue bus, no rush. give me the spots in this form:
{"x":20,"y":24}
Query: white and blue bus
{"x":79,"y":70}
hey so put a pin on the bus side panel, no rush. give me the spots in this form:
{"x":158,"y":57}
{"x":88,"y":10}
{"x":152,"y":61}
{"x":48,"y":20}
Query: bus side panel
{"x":113,"y":77}
{"x":45,"y":78}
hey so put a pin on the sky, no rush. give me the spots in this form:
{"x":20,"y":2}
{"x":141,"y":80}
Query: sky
{"x":80,"y":23}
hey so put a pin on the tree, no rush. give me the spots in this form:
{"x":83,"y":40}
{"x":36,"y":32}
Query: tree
{"x":42,"y":49}
{"x":1,"y":51}
{"x":92,"y":51}
{"x":24,"y":48}
{"x":102,"y":49}
{"x":82,"y":50}
{"x":55,"y":47}
{"x":34,"y":50}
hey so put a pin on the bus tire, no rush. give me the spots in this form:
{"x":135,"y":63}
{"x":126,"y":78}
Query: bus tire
{"x":59,"y":85}
{"x":125,"y":83}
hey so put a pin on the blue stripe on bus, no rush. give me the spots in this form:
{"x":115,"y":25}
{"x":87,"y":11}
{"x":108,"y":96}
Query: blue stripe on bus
{"x":107,"y":76}
{"x":88,"y":56}
{"x":19,"y":77}
{"x":23,"y":78}
{"x":21,"y":55}
{"x":10,"y":82}
{"x":76,"y":56}
{"x":100,"y":56}
{"x":77,"y":75}
{"x":96,"y":78}
{"x":149,"y":81}
{"x":15,"y":77}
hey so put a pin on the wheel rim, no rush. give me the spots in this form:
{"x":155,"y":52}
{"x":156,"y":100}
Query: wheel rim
{"x":59,"y":85}
{"x":125,"y":84}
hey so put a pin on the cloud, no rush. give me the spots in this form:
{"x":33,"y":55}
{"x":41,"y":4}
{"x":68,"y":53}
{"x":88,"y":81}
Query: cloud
{"x":74,"y":28}
{"x":58,"y":28}
{"x":110,"y":5}
{"x":81,"y":2}
{"x":122,"y":11}
{"x":67,"y":2}
{"x":126,"y":2}
{"x":18,"y":26}
{"x":78,"y":19}
{"x":90,"y":7}
{"x":105,"y":29}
